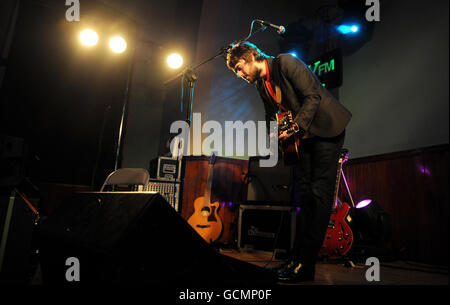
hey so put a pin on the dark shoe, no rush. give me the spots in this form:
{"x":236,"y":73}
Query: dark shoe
{"x":297,"y":273}
{"x":284,"y":267}
{"x":281,"y":268}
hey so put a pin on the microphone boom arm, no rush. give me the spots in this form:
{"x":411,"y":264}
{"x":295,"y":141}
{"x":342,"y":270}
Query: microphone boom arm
{"x":189,"y":73}
{"x":220,"y":53}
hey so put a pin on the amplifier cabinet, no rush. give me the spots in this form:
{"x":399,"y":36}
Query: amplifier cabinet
{"x":169,"y":169}
{"x":266,"y":227}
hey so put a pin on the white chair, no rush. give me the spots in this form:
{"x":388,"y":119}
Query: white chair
{"x":137,"y":177}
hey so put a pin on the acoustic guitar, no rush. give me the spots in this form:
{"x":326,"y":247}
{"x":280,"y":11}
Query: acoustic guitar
{"x":289,"y":147}
{"x":339,"y":236}
{"x":205,"y":219}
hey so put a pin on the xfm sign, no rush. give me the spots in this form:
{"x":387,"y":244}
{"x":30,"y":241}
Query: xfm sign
{"x":328,"y":68}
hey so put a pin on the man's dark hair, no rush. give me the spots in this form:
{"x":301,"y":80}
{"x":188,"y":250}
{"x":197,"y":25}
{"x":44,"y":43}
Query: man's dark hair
{"x":243,"y":50}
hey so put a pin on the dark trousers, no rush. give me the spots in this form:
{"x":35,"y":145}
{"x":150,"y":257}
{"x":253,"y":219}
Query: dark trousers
{"x":314,"y":180}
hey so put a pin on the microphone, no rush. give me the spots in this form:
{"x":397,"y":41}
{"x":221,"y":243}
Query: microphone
{"x":280,"y":29}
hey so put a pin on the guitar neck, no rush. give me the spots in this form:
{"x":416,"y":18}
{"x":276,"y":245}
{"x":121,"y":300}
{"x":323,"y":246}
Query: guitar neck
{"x":341,"y":161}
{"x":336,"y":187}
{"x":208,"y":185}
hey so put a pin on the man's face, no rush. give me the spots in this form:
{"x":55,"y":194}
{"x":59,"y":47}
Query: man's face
{"x":247,"y":70}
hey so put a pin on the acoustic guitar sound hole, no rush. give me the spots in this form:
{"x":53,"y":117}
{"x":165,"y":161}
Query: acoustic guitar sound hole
{"x":205,"y":211}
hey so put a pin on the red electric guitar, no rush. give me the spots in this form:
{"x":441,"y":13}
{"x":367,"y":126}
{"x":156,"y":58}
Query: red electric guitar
{"x":339,"y":236}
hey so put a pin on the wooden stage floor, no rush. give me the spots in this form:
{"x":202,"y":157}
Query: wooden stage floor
{"x":337,"y":273}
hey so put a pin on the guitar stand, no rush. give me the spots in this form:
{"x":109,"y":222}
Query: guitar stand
{"x":349,"y":263}
{"x":346,"y":261}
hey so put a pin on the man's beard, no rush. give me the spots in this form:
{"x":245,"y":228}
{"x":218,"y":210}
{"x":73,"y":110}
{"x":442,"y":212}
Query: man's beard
{"x":253,"y":75}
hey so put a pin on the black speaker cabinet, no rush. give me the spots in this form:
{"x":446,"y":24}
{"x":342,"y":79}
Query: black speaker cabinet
{"x":123,"y":238}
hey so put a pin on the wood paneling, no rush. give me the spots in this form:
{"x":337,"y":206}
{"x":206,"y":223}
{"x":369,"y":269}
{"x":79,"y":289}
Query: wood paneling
{"x":227,"y":188}
{"x":412,"y":187}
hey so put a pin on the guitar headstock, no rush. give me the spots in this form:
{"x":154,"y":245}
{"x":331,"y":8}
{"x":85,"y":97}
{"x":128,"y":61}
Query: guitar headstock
{"x":344,"y":155}
{"x":212,"y":158}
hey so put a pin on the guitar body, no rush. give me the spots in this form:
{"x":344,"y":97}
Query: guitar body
{"x":290,"y":147}
{"x":205,"y":220}
{"x":290,"y":150}
{"x":339,"y":236}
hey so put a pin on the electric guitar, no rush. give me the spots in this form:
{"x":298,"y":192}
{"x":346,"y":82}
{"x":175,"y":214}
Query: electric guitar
{"x":339,"y":236}
{"x":290,"y":147}
{"x":205,"y":219}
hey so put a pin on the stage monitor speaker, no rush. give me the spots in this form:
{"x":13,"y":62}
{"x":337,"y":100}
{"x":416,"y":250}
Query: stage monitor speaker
{"x":133,"y":238}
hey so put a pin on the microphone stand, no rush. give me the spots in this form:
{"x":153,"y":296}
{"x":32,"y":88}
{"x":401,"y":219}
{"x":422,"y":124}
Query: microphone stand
{"x":190,"y":76}
{"x":117,"y":161}
{"x":126,"y":98}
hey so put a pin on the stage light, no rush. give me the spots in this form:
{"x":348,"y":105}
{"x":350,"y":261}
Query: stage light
{"x":118,"y":44}
{"x":363,"y":203}
{"x":348,"y":29}
{"x":89,"y":37}
{"x":175,"y":60}
{"x":372,"y":228}
{"x":293,"y":54}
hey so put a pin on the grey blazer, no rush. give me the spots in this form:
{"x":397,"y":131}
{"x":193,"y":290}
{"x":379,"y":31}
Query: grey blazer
{"x":314,"y":108}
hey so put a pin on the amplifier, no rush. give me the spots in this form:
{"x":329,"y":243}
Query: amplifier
{"x":169,"y":190}
{"x":168,"y":169}
{"x":266,"y":227}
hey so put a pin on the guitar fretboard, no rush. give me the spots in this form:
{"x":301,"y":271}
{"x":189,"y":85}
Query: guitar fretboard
{"x":208,"y":185}
{"x":342,"y":158}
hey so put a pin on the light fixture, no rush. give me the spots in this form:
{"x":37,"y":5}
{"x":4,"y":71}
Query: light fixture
{"x":175,"y":61}
{"x":363,"y":203}
{"x":348,"y":29}
{"x":118,"y":44}
{"x":372,"y":228}
{"x":89,"y":37}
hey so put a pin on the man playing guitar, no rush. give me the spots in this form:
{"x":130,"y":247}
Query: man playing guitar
{"x":310,"y":117}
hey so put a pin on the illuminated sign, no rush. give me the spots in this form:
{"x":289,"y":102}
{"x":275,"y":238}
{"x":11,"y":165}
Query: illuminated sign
{"x":328,"y":68}
{"x":323,"y":68}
